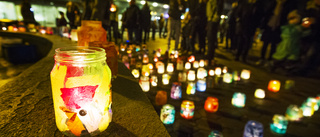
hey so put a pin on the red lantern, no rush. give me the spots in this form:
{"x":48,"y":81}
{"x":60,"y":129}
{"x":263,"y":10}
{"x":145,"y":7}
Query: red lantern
{"x":191,"y":59}
{"x":211,"y":104}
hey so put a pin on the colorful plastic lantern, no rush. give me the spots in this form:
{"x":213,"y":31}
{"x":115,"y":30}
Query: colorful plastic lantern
{"x":201,"y":73}
{"x":160,"y":67}
{"x":227,"y":78}
{"x":74,"y":35}
{"x":259,"y":93}
{"x":218,"y":71}
{"x":274,"y":85}
{"x":167,"y":114}
{"x":279,"y":124}
{"x":154,"y":80}
{"x":180,"y":65}
{"x":289,"y":84}
{"x":145,"y":70}
{"x":245,"y":74}
{"x":236,"y":76}
{"x":135,"y":73}
{"x":144,"y":83}
{"x":176,"y":90}
{"x":238,"y":99}
{"x":253,"y":129}
{"x":201,"y":85}
{"x":187,"y":65}
{"x":215,"y":133}
{"x":187,"y":109}
{"x":165,"y":79}
{"x":294,"y":113}
{"x":191,"y":88}
{"x":211,"y":104}
{"x":195,"y":64}
{"x":211,"y":72}
{"x":170,"y":67}
{"x":191,"y":75}
{"x":191,"y":59}
{"x":161,"y":98}
{"x":182,"y":76}
{"x":145,"y":59}
{"x":201,"y":63}
{"x":225,"y":69}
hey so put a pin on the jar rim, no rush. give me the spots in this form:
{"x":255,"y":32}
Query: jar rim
{"x":79,"y":54}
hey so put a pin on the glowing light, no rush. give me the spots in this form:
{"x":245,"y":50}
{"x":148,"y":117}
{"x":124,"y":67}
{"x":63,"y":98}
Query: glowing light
{"x":142,"y":2}
{"x":155,"y":4}
{"x":166,"y":6}
{"x":128,"y":0}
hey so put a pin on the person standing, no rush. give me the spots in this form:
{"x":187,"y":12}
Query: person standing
{"x":145,"y":21}
{"x":231,"y":28}
{"x":72,"y":9}
{"x":27,"y":12}
{"x":154,"y":27}
{"x":214,"y":11}
{"x":161,"y":24}
{"x":176,"y":9}
{"x":101,"y":12}
{"x":113,"y":22}
{"x":61,"y":23}
{"x":131,"y":21}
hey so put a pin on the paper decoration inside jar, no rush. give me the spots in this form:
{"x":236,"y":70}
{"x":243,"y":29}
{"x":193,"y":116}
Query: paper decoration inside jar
{"x":294,"y":113}
{"x":144,"y":83}
{"x":165,"y":79}
{"x":191,"y":88}
{"x":211,"y":104}
{"x":195,"y":64}
{"x":91,"y":31}
{"x":238,"y":99}
{"x":161,"y":98}
{"x":201,"y":85}
{"x":201,"y":73}
{"x":191,"y":75}
{"x":154,"y":80}
{"x":187,"y":65}
{"x":180,"y":64}
{"x":176,"y":90}
{"x":259,"y":93}
{"x":227,"y":78}
{"x":253,"y":129}
{"x":150,"y":65}
{"x":218,"y":71}
{"x":170,"y":67}
{"x":187,"y":109}
{"x":245,"y":74}
{"x":274,"y":85}
{"x":279,"y":124}
{"x":135,"y":73}
{"x":167,"y":114}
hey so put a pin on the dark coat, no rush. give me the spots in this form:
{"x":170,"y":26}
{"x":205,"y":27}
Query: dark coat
{"x":145,"y":17}
{"x":132,"y":17}
{"x":176,"y":9}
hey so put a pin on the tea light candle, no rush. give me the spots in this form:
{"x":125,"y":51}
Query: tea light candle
{"x":191,"y":88}
{"x":225,"y":69}
{"x":165,"y":79}
{"x":187,"y":65}
{"x":195,"y":64}
{"x":135,"y":73}
{"x":245,"y":74}
{"x":176,"y":90}
{"x":218,"y":71}
{"x":201,"y":85}
{"x":160,"y":67}
{"x":170,"y":67}
{"x":167,"y":114}
{"x":211,"y":104}
{"x":274,"y":85}
{"x":294,"y":113}
{"x":155,"y":59}
{"x":145,"y":59}
{"x":211,"y":72}
{"x":161,"y":98}
{"x":238,"y":99}
{"x":158,"y":54}
{"x":122,"y":47}
{"x":227,"y":78}
{"x":145,"y":83}
{"x":154,"y":80}
{"x":289,"y":84}
{"x":191,"y":75}
{"x":180,"y":65}
{"x":187,"y":109}
{"x":279,"y":124}
{"x":201,"y":63}
{"x":259,"y":93}
{"x":201,"y":73}
{"x":191,"y":59}
{"x":182,"y":76}
{"x":253,"y":129}
{"x":215,"y":133}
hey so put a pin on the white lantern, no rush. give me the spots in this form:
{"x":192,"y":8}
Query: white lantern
{"x":245,"y":74}
{"x":201,"y":73}
{"x":144,"y":83}
{"x":160,"y":67}
{"x":259,"y":93}
{"x":227,"y":78}
{"x":135,"y":73}
{"x":165,"y":79}
{"x":187,"y":65}
{"x":195,"y":64}
{"x":191,"y":75}
{"x":218,"y":71}
{"x":211,"y":72}
{"x":201,"y":63}
{"x":170,"y":67}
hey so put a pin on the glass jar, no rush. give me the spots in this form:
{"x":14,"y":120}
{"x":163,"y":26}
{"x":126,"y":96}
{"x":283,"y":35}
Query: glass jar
{"x":81,"y":81}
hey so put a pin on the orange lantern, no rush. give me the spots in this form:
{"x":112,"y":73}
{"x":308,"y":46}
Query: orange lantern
{"x":274,"y":85}
{"x":211,"y":104}
{"x":161,"y":98}
{"x":191,"y":59}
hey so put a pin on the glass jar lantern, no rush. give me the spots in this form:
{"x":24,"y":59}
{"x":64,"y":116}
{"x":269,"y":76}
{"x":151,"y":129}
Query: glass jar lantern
{"x":187,"y":109}
{"x":191,"y":88}
{"x":294,"y":113}
{"x":176,"y":90}
{"x":201,"y":85}
{"x":279,"y":124}
{"x":274,"y":85}
{"x":170,"y":67}
{"x":81,"y":72}
{"x":253,"y":129}
{"x":167,"y":114}
{"x":239,"y":99}
{"x":259,"y":93}
{"x":245,"y":74}
{"x":161,"y":98}
{"x":211,"y":104}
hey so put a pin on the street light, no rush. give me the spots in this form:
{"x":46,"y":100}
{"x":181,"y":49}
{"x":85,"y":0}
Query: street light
{"x":154,"y":4}
{"x":143,"y":2}
{"x":166,"y":6}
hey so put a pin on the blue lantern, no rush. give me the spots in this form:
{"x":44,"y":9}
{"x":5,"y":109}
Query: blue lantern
{"x":279,"y":125}
{"x":167,"y":114}
{"x":201,"y":85}
{"x":253,"y":129}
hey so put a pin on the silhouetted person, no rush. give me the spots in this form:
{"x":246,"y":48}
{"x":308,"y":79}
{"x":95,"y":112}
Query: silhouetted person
{"x":231,"y":28}
{"x":145,"y":21}
{"x":161,"y":25}
{"x":101,"y":12}
{"x":26,"y":12}
{"x":176,"y":9}
{"x":131,"y":20}
{"x":88,"y":7}
{"x":61,"y":23}
{"x":72,"y":9}
{"x":113,"y":22}
{"x":154,"y":27}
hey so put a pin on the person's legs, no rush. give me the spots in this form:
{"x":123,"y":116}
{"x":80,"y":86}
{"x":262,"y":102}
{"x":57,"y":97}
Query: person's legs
{"x":202,"y":38}
{"x":160,"y":31}
{"x":130,"y":33}
{"x":170,"y":28}
{"x":212,"y":39}
{"x":272,"y":50}
{"x":177,"y":27}
{"x":115,"y":31}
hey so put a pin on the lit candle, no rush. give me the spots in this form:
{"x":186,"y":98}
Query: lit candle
{"x":154,"y":80}
{"x":176,"y":90}
{"x":236,"y":76}
{"x":167,"y":114}
{"x":259,"y":93}
{"x":165,"y":79}
{"x":195,"y":64}
{"x":4,"y":28}
{"x":245,"y":74}
{"x":180,"y":65}
{"x":218,"y":71}
{"x":160,"y":67}
{"x":170,"y":67}
{"x":201,"y":85}
{"x":145,"y":70}
{"x":279,"y":124}
{"x":191,"y":59}
{"x":187,"y":109}
{"x":294,"y":113}
{"x":314,"y":103}
{"x":187,"y":65}
{"x":144,"y":83}
{"x":238,"y":99}
{"x":158,"y":54}
{"x":182,"y":76}
{"x":215,"y":133}
{"x":43,"y":31}
{"x":201,"y":73}
{"x":191,"y":88}
{"x":307,"y":109}
{"x":145,"y":59}
{"x":227,"y":78}
{"x":211,"y":72}
{"x":225,"y":69}
{"x":211,"y":104}
{"x":289,"y":84}
{"x":176,"y":54}
{"x":150,"y":68}
{"x":155,"y":59}
{"x":122,"y":47}
{"x":253,"y":129}
{"x":74,"y":35}
{"x":161,"y":98}
{"x":274,"y":85}
{"x":201,"y":63}
{"x":191,"y":75}
{"x":135,"y":73}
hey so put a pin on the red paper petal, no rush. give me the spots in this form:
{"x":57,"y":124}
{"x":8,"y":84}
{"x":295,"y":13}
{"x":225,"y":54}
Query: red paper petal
{"x":76,"y":97}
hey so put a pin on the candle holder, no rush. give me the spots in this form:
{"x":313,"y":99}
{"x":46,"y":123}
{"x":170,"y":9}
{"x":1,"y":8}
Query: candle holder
{"x":144,"y":83}
{"x":191,"y":75}
{"x":289,"y":84}
{"x":245,"y":74}
{"x":187,"y":109}
{"x":201,"y":85}
{"x":154,"y":80}
{"x":195,"y":64}
{"x":259,"y":93}
{"x":176,"y":90}
{"x":135,"y":73}
{"x":294,"y":113}
{"x":211,"y":104}
{"x":161,"y":98}
{"x":236,"y":77}
{"x":180,"y":64}
{"x":274,"y":85}
{"x":191,"y":88}
{"x":227,"y":78}
{"x":279,"y":124}
{"x":167,"y":114}
{"x":218,"y":71}
{"x":238,"y":100}
{"x":165,"y":79}
{"x":160,"y":67}
{"x":253,"y":129}
{"x":182,"y":76}
{"x":201,"y":63}
{"x":170,"y":67}
{"x":187,"y":66}
{"x":225,"y":69}
{"x":211,"y":72}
